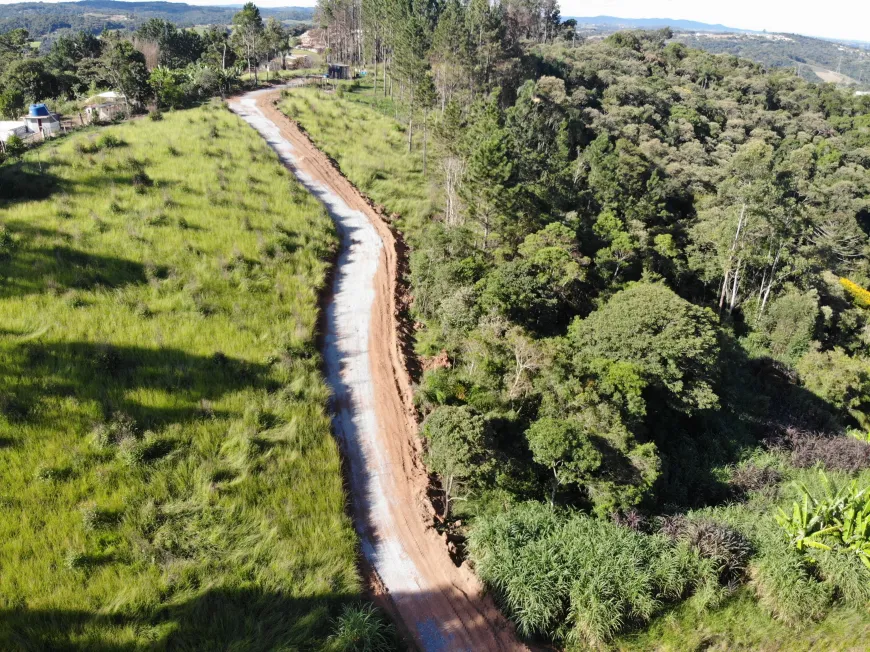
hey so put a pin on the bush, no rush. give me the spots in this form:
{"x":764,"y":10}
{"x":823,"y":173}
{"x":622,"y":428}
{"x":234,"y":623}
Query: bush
{"x":94,"y":518}
{"x":15,"y":147}
{"x":750,"y":477}
{"x":109,"y":141}
{"x":832,"y":452}
{"x":141,"y":181}
{"x":360,"y":628}
{"x":724,"y":546}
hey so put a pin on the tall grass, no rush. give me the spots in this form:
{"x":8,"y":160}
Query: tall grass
{"x":168,"y":474}
{"x":579,"y":579}
{"x":369,"y":146}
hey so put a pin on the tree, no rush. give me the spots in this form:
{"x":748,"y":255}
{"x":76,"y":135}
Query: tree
{"x":541,"y":288}
{"x":125,"y":69}
{"x":217,"y":50}
{"x":276,"y":40}
{"x":456,"y":448}
{"x":247,"y":36}
{"x":167,"y":86}
{"x":11,"y":103}
{"x":487,"y":177}
{"x":31,"y":78}
{"x":840,"y":379}
{"x":673,"y":343}
{"x":13,"y":45}
{"x":565,"y":448}
{"x":424,"y":98}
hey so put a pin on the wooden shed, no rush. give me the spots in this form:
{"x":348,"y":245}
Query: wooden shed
{"x":339,"y":71}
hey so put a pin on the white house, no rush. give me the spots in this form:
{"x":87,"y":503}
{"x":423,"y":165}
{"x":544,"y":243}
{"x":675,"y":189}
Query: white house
{"x":106,"y":106}
{"x":12,"y":128}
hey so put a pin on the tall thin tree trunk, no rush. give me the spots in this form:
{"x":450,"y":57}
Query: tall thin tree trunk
{"x":425,"y":120}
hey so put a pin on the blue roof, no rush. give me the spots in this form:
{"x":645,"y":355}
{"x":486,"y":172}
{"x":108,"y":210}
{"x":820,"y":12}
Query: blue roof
{"x":39,"y":111}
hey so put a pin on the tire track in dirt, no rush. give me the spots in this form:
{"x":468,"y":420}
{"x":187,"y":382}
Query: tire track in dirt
{"x":440,"y":606}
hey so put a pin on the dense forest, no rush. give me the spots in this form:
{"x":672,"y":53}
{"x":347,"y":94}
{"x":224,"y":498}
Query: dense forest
{"x":639,"y":302}
{"x":642,"y":295}
{"x":46,"y":21}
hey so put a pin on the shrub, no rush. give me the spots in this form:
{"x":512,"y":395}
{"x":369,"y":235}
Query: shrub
{"x":109,"y":141}
{"x":832,"y":452}
{"x":860,"y":296}
{"x":15,"y":147}
{"x":54,"y":473}
{"x":141,"y":181}
{"x":751,"y":477}
{"x":94,"y":518}
{"x":845,"y":572}
{"x":118,"y":428}
{"x":724,"y":546}
{"x":360,"y":628}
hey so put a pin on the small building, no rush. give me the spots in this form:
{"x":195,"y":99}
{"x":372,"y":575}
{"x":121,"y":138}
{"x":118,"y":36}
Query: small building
{"x":106,"y":106}
{"x":339,"y":71}
{"x":40,"y":120}
{"x":12,"y":128}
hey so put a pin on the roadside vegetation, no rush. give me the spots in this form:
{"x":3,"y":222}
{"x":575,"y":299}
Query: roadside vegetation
{"x":638,"y":276}
{"x":169,"y":476}
{"x":373,"y":151}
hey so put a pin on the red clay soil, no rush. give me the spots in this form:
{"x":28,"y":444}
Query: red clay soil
{"x":450,"y":599}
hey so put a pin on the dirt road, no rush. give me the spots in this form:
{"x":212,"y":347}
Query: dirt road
{"x":441,"y":606}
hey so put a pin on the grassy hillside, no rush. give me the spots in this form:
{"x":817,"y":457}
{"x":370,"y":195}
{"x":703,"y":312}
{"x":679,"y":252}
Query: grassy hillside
{"x":169,"y":477}
{"x":372,"y":146}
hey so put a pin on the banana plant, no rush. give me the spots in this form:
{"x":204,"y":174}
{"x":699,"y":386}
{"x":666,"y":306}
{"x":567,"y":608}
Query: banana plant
{"x":839,"y":520}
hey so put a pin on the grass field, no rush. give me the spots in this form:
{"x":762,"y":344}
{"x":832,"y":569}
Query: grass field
{"x":169,"y":480}
{"x":357,"y":129}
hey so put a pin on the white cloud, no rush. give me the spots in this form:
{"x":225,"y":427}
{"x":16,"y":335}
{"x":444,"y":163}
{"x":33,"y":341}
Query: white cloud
{"x":847,"y":19}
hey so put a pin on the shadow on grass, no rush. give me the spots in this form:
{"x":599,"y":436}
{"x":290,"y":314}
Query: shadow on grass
{"x":31,"y":372}
{"x":33,"y":270}
{"x":28,"y":266}
{"x":219,"y":619}
{"x":248,"y":619}
{"x":28,"y":181}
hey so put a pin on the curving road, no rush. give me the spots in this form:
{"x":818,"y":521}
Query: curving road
{"x":439,"y":606}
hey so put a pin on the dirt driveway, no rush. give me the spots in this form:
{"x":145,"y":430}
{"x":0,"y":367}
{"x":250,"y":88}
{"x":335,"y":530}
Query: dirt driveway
{"x":440,"y":606}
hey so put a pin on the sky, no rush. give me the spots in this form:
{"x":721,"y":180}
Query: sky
{"x":844,"y":19}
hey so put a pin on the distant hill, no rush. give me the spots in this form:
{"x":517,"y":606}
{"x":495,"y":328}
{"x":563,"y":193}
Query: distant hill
{"x":43,"y":19}
{"x":813,"y":58}
{"x":615,"y":23}
{"x":818,"y":60}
